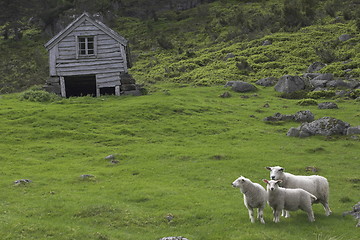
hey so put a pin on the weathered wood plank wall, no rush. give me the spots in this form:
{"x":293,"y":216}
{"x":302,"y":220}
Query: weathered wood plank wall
{"x":108,"y":62}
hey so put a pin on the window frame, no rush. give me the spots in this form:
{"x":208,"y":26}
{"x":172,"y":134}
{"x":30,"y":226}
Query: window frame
{"x":86,"y":48}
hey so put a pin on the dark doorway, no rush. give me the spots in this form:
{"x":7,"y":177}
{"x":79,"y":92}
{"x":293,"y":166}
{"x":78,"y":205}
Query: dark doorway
{"x":107,"y":91}
{"x":77,"y":86}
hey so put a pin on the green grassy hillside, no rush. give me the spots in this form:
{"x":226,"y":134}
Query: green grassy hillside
{"x":178,"y":151}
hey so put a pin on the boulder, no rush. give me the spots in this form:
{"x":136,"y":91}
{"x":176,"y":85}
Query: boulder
{"x":301,"y":116}
{"x":304,"y":116}
{"x":353,"y":130}
{"x":324,"y":76}
{"x":327,"y":105}
{"x":337,"y":84}
{"x":266,"y":82}
{"x":239,"y":86}
{"x":316,"y":66}
{"x":289,"y":84}
{"x":325,"y":126}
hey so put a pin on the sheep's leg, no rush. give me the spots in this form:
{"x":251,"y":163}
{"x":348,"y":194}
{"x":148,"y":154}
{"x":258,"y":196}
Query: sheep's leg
{"x":277,"y":215}
{"x":285,"y":213}
{"x":310,"y":215}
{"x":326,"y":208}
{"x":251,"y":214}
{"x":260,"y":215}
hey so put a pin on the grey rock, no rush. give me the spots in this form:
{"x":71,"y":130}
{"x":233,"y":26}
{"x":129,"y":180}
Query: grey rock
{"x":353,"y":130}
{"x":354,"y":212}
{"x":266,"y":42}
{"x":293,"y":132}
{"x":325,"y":126}
{"x":239,"y":86}
{"x":225,"y":95}
{"x":311,"y":75}
{"x":304,"y":116}
{"x":22,"y":181}
{"x":324,"y":76}
{"x":266,"y":82}
{"x":327,"y":105}
{"x":229,"y":83}
{"x":301,"y":116}
{"x":173,"y":238}
{"x":289,"y":84}
{"x":318,"y":83}
{"x":344,"y":37}
{"x":337,"y":84}
{"x":316,"y":66}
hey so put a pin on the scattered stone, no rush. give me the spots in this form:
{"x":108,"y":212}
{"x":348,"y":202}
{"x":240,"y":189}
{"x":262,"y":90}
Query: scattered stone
{"x":22,"y":181}
{"x":316,"y":66}
{"x":266,"y":82}
{"x":301,"y":116}
{"x":266,"y":43}
{"x":229,"y":55}
{"x":240,"y":86}
{"x":325,"y":126}
{"x":225,"y":95}
{"x":337,"y":84}
{"x":354,"y":212}
{"x":114,"y":161}
{"x":311,"y":169}
{"x":229,"y":83}
{"x":327,"y":105}
{"x":289,"y":84}
{"x":304,"y":116}
{"x":344,"y":37}
{"x":324,"y":76}
{"x":266,"y":105}
{"x":353,"y":130}
{"x":173,"y":238}
{"x":169,"y":217}
{"x":87,"y":176}
{"x":110,"y":157}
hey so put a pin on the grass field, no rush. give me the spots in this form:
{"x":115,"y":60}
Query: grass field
{"x":179,"y":149}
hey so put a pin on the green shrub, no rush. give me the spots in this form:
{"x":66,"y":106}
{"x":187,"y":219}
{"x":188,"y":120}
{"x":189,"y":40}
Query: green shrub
{"x":307,"y":102}
{"x":38,"y":96}
{"x":321,"y":94}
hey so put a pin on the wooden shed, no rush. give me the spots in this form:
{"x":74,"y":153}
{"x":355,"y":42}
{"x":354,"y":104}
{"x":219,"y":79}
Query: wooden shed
{"x":88,"y":58}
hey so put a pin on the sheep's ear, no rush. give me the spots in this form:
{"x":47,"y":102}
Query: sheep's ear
{"x":279,"y":181}
{"x":281,"y":169}
{"x":268,"y":168}
{"x":265,"y":181}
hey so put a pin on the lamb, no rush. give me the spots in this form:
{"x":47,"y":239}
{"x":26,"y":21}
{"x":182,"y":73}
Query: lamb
{"x":316,"y":185}
{"x":254,"y":197}
{"x":289,"y":199}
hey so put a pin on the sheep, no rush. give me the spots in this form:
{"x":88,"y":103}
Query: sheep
{"x":254,"y":197}
{"x":316,"y":185}
{"x":289,"y":199}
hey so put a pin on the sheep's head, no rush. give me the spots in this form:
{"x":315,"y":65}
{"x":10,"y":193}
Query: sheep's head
{"x":276,"y":173}
{"x":240,"y":182}
{"x":272,"y":185}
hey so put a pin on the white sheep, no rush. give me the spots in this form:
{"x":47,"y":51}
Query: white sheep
{"x":289,"y":199}
{"x":316,"y":185}
{"x":254,"y":197}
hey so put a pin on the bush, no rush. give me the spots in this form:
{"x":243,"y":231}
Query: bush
{"x":321,"y":94}
{"x":38,"y":96}
{"x":307,"y":102}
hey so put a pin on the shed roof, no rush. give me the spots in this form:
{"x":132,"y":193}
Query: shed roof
{"x":77,"y":22}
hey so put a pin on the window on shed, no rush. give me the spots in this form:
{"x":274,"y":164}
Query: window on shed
{"x":86,"y":46}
